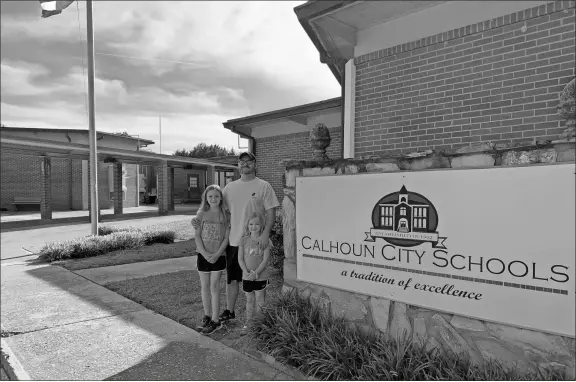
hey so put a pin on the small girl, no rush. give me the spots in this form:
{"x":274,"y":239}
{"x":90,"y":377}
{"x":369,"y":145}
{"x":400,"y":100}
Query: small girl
{"x":253,"y":260}
{"x":211,"y":240}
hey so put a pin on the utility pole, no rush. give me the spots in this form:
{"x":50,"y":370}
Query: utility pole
{"x":92,"y":122}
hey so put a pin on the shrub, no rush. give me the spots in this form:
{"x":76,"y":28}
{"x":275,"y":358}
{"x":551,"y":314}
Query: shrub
{"x":299,"y":333}
{"x":111,"y":239}
{"x":104,"y":230}
{"x":277,"y":251}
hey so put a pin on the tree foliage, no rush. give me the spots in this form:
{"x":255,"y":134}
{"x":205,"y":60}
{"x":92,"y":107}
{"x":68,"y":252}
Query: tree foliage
{"x":202,"y":150}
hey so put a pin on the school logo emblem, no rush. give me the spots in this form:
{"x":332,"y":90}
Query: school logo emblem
{"x":405,"y":219}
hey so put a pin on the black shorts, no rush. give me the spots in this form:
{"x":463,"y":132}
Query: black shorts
{"x":254,"y":286}
{"x":204,"y":266}
{"x":233,"y":270}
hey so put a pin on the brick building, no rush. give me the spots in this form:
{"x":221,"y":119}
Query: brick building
{"x":421,"y":75}
{"x":36,"y":160}
{"x":284,"y":135}
{"x":21,"y":176}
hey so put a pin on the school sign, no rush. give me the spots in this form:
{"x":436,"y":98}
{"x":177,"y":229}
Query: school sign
{"x":495,"y":244}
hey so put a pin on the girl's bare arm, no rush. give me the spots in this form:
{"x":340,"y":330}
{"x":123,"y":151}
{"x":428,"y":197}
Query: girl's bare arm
{"x":241,"y":259}
{"x":264,"y":262}
{"x":199,"y":245}
{"x":224,"y":244}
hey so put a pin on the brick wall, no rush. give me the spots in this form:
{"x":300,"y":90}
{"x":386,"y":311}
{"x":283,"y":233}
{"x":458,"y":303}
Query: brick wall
{"x":61,"y":178}
{"x":497,"y":81}
{"x":20,"y":176}
{"x":271,"y":150}
{"x":181,"y":184}
{"x":76,"y":184}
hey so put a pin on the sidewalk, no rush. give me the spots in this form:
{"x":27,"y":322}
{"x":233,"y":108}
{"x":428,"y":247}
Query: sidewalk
{"x":11,"y":220}
{"x":70,"y":328}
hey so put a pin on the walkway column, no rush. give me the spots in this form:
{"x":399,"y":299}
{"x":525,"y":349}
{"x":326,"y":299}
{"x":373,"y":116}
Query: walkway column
{"x":211,"y":175}
{"x":165,"y":188}
{"x":118,"y":197}
{"x":171,"y":186}
{"x":46,"y":191}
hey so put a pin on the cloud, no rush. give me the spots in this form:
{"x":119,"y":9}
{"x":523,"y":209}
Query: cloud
{"x":197,"y":64}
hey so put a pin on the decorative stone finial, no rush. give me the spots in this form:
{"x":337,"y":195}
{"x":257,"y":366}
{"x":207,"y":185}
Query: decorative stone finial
{"x":567,"y":109}
{"x":319,"y":141}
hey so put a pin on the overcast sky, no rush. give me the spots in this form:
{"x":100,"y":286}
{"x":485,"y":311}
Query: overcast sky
{"x":236,"y":59}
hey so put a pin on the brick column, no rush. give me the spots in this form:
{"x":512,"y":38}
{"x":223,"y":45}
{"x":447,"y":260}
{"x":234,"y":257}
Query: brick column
{"x":90,"y":196}
{"x":171,"y":188}
{"x":118,"y":197}
{"x":70,"y":183}
{"x":164,"y":189}
{"x":211,"y":175}
{"x":46,"y":191}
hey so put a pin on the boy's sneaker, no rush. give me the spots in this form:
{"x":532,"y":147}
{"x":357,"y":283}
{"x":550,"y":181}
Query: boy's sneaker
{"x":227,"y":315}
{"x":205,"y":322}
{"x":211,"y":327}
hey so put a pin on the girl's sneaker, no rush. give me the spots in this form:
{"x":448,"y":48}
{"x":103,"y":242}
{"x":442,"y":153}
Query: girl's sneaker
{"x":227,"y":315}
{"x":211,"y":327}
{"x":205,"y":322}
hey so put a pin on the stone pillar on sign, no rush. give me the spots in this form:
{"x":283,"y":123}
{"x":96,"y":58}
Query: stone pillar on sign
{"x":118,"y":197}
{"x":46,"y":191}
{"x":567,"y":109}
{"x":289,"y":225}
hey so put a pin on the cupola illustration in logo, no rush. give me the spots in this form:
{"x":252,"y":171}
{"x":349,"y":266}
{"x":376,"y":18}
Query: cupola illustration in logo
{"x":405,"y":219}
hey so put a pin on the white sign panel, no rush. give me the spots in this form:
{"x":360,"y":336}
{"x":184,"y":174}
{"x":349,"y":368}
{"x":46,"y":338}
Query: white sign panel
{"x":495,"y":244}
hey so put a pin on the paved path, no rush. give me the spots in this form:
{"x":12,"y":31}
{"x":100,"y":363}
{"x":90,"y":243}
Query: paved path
{"x":14,"y":216}
{"x":34,"y":239}
{"x":105,"y":275}
{"x":70,"y":328}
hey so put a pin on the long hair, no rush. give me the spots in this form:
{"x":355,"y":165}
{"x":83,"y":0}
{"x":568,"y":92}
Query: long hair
{"x":262,"y":220}
{"x":205,"y":206}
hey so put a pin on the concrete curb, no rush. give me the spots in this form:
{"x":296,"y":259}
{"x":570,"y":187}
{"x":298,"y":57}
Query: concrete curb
{"x":11,"y":365}
{"x":291,"y":371}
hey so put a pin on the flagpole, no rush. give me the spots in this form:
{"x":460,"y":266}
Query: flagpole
{"x":92,"y":122}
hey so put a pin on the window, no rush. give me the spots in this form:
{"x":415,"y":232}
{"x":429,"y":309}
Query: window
{"x":419,"y":223}
{"x":403,"y":211}
{"x":193,"y":181}
{"x":386,"y":215}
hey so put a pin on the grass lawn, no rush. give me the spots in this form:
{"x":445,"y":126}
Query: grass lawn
{"x":177,"y":296}
{"x":184,"y":246}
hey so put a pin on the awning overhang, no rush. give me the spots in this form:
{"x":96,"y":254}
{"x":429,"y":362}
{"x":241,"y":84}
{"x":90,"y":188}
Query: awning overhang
{"x":41,"y":147}
{"x":333,"y":26}
{"x":244,"y":126}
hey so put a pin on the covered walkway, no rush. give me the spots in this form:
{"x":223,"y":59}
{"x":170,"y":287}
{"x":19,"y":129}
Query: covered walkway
{"x":164,"y":164}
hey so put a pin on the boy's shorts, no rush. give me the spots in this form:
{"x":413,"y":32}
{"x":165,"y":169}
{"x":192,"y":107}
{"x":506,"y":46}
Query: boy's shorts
{"x":254,"y":286}
{"x":233,"y":270}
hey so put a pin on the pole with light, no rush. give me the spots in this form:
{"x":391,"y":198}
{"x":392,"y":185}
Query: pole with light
{"x":52,"y":8}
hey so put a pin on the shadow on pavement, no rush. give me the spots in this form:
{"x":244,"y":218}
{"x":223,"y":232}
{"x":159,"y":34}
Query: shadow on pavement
{"x":75,"y":329}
